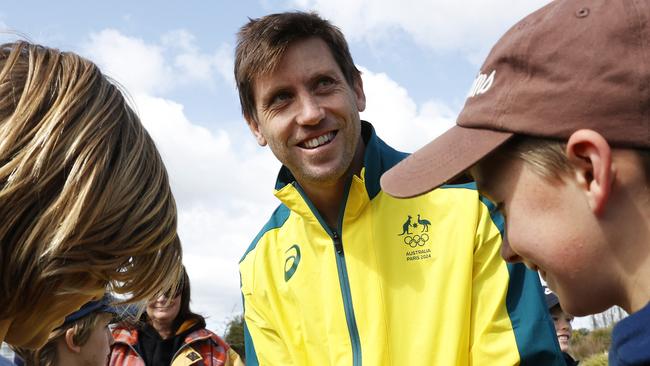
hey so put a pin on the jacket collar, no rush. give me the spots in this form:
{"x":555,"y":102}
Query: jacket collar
{"x":198,"y":335}
{"x":129,"y":336}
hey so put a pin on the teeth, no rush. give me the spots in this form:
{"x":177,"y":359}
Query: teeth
{"x":320,"y":140}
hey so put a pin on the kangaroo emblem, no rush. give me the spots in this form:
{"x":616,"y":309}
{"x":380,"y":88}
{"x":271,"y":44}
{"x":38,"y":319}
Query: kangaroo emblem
{"x":406,"y":225}
{"x":425,"y":223}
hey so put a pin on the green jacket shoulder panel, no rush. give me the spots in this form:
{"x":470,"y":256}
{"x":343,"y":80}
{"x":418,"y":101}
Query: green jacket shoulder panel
{"x":278,"y":218}
{"x":379,"y":157}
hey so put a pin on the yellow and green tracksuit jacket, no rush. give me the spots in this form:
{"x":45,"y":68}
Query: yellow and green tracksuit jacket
{"x":399,"y":282}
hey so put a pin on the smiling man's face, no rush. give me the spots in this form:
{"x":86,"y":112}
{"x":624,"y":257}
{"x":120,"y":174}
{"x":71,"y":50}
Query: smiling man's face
{"x":308,"y":114}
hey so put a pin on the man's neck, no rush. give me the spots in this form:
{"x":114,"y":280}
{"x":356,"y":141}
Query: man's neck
{"x":328,"y":198}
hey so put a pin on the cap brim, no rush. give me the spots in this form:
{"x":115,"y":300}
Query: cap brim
{"x":441,"y":160}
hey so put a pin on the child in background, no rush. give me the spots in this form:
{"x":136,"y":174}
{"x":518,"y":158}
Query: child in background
{"x":85,"y":200}
{"x":562,"y":322}
{"x":83,"y":340}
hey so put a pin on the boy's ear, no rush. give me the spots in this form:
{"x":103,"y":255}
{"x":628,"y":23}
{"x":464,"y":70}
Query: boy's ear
{"x":591,"y":157}
{"x":255,"y":129}
{"x":69,"y":341}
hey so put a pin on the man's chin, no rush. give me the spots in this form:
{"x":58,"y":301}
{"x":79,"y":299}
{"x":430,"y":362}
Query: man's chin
{"x":321,"y":174}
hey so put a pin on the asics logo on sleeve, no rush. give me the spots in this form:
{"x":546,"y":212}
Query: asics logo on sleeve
{"x":292,"y":261}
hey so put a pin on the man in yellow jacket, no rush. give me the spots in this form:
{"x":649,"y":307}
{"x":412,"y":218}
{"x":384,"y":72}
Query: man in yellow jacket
{"x":343,"y":274}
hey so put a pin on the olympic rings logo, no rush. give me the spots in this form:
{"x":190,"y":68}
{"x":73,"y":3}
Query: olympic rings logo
{"x":415,"y":240}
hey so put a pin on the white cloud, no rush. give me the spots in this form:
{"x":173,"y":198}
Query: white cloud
{"x":207,"y":167}
{"x":196,"y":66}
{"x":470,"y":26}
{"x":181,"y":39}
{"x":223,"y":61}
{"x":223,"y":184}
{"x":156,"y":68}
{"x":397,"y":118}
{"x":139,"y":66}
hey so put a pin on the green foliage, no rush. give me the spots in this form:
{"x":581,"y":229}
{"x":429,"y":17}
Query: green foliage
{"x":234,"y":335}
{"x":596,"y":360}
{"x":585,"y":344}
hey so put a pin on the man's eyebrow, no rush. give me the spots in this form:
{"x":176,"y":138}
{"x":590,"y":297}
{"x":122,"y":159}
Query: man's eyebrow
{"x":267,"y":95}
{"x":325,"y":72}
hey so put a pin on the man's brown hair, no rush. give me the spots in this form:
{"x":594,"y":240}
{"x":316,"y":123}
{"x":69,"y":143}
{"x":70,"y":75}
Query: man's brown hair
{"x":262,"y":42}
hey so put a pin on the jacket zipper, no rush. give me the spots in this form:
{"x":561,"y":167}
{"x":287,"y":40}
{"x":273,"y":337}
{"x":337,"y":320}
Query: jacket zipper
{"x":347,"y":299}
{"x":344,"y":281}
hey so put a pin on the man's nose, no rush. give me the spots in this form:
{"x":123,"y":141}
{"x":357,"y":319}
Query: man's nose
{"x":311,"y":112}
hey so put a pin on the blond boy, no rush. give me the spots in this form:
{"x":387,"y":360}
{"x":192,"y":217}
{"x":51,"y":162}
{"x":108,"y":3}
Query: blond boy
{"x":85,"y":201}
{"x":559,"y":123}
{"x":82,"y":340}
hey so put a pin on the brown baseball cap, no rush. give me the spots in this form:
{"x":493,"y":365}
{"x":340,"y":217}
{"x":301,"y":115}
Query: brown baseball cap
{"x":570,"y":65}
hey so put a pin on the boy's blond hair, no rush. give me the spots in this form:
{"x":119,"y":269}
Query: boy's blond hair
{"x":47,"y":354}
{"x":85,"y":200}
{"x":547,"y":157}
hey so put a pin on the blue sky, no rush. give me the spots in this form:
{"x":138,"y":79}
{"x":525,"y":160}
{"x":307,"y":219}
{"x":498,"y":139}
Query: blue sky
{"x":418,"y":57}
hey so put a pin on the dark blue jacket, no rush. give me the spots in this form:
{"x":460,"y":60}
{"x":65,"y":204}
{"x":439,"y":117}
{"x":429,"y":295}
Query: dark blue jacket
{"x":631,"y":340}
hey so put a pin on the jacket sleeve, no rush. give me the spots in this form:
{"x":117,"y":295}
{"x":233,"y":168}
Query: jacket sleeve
{"x":510,"y":324}
{"x":262,"y":340}
{"x":263,"y":344}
